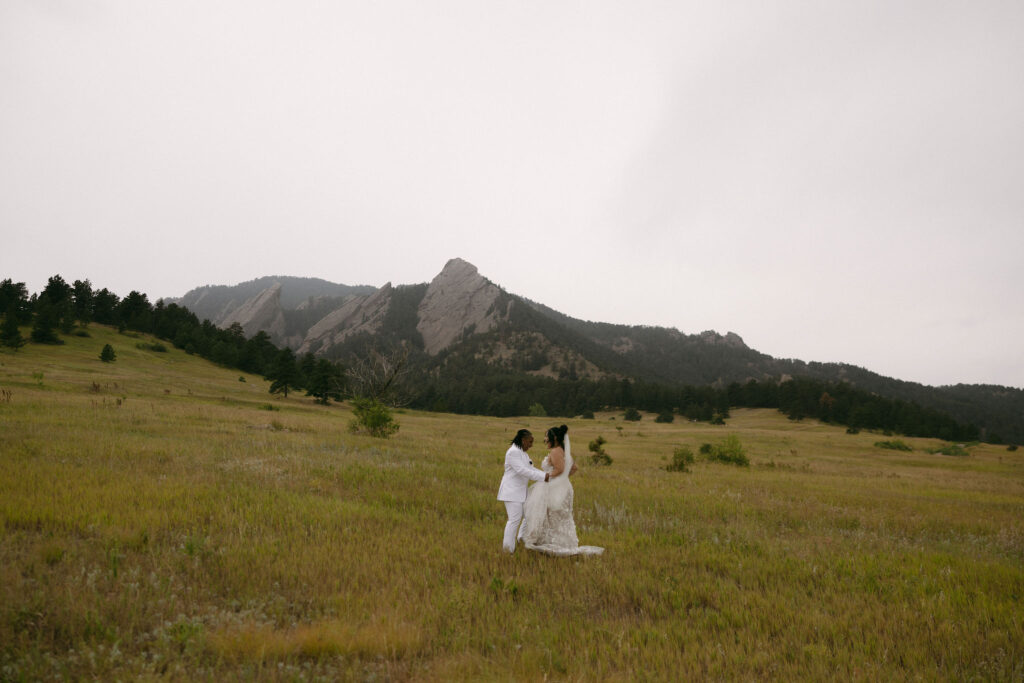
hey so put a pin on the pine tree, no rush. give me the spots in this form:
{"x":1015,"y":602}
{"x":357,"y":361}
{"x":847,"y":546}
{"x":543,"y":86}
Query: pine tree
{"x":107,"y":355}
{"x":10,"y":335}
{"x":284,"y":373}
{"x":325,"y":382}
{"x":43,"y":329}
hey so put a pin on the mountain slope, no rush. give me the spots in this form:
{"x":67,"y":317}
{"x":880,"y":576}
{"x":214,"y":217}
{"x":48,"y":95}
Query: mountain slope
{"x":463,"y":320}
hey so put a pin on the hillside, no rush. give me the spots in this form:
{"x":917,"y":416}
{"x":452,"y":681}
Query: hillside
{"x":160,"y":518}
{"x":462,"y":325}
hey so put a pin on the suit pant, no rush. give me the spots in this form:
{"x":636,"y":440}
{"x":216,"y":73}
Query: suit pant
{"x":515,"y":516}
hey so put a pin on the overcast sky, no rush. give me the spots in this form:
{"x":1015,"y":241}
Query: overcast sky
{"x":833,"y":181}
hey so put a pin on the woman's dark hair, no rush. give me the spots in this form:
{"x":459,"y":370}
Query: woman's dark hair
{"x":556,"y":436}
{"x":520,"y":435}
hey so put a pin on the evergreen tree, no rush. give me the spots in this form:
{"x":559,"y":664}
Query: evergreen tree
{"x":104,"y":307}
{"x":10,"y":335}
{"x":326,"y":381}
{"x":83,"y":301}
{"x":107,"y":355}
{"x":136,"y":312}
{"x":45,"y":324}
{"x":284,"y":373}
{"x":15,"y":294}
{"x":57,"y":291}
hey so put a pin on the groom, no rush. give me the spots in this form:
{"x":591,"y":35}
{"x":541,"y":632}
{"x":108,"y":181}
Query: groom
{"x":519,"y":470}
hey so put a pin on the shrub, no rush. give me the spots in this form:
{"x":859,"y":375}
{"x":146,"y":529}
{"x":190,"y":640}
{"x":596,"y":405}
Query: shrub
{"x":665,"y":417}
{"x":155,"y":346}
{"x":107,"y":355}
{"x":632,"y":415}
{"x":588,"y":415}
{"x":950,"y":449}
{"x":597,"y":454}
{"x":682,"y":458}
{"x":893,"y":444}
{"x":537,"y":410}
{"x":1012,"y":447}
{"x":718,"y":419}
{"x":729,"y":451}
{"x":373,"y":417}
{"x":852,"y":430}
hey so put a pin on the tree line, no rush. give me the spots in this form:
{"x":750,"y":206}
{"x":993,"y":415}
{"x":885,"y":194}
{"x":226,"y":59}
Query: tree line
{"x":61,"y":308}
{"x":465,"y":382}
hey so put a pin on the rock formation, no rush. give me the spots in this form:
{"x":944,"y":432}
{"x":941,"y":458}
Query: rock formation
{"x":357,"y":314}
{"x":457,"y":300}
{"x":261,"y":312}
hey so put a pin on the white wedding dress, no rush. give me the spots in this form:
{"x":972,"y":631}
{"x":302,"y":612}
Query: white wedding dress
{"x":548,"y":526}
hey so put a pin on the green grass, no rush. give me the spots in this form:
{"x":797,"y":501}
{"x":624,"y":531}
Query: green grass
{"x":159,"y":521}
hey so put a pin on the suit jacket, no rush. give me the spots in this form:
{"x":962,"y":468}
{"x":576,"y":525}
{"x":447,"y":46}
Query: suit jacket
{"x":519,"y":470}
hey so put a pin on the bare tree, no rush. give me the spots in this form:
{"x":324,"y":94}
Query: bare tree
{"x":381,"y":375}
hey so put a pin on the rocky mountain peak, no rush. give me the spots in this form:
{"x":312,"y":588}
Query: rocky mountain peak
{"x":261,"y":312}
{"x":457,"y":299}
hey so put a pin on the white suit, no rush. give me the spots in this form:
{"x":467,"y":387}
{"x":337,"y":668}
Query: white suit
{"x":519,"y":470}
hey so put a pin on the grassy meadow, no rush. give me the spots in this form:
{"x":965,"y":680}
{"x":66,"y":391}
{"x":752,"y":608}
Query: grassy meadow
{"x":163,"y":518}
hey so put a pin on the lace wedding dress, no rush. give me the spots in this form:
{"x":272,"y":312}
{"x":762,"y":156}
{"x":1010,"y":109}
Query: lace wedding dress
{"x":548,"y":525}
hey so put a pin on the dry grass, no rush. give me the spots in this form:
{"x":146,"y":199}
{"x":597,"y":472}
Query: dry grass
{"x":159,"y":521}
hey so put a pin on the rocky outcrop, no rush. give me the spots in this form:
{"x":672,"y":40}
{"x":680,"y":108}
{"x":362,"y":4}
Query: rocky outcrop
{"x":261,"y":312}
{"x":457,"y":301}
{"x":357,"y":314}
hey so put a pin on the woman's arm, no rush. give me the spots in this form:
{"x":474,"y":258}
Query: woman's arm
{"x":557,"y":459}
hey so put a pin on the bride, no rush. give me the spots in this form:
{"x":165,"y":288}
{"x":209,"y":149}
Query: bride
{"x":548,"y":525}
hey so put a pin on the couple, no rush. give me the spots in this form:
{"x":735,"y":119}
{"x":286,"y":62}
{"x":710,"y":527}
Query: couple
{"x":546,"y":511}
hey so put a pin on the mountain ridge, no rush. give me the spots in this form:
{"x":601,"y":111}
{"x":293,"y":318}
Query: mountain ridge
{"x":461,"y":314}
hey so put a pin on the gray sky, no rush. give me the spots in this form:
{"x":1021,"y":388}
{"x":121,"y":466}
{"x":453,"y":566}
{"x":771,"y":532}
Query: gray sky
{"x":833,"y":181}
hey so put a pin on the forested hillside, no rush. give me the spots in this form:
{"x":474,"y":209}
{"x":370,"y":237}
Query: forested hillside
{"x":537,"y":360}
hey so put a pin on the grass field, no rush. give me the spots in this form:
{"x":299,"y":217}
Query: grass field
{"x":163,"y":519}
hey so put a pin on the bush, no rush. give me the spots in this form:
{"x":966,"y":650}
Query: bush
{"x":682,"y":458}
{"x":632,"y":415}
{"x":729,"y":451}
{"x":588,"y":415}
{"x":718,"y":419}
{"x":597,"y":454}
{"x":1012,"y":447}
{"x":373,"y":417}
{"x":537,"y":410}
{"x":852,"y":430}
{"x":893,"y":444}
{"x":950,"y":449}
{"x":155,"y":346}
{"x":665,"y":417}
{"x":107,"y":355}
